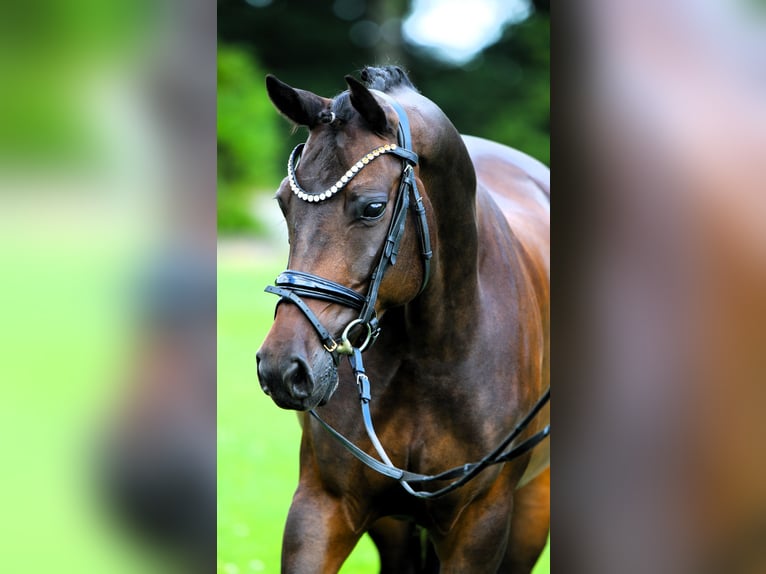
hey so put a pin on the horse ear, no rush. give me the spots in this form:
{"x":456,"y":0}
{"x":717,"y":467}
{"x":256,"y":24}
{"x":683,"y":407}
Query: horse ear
{"x":300,"y":106}
{"x":366,"y":104}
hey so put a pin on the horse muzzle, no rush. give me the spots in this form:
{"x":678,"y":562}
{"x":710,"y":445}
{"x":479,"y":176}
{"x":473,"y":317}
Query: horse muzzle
{"x":297,"y":382}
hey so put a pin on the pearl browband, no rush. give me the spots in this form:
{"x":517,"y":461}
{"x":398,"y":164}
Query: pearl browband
{"x":341,"y":183}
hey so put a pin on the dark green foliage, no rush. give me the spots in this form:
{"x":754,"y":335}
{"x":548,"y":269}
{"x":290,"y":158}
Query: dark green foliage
{"x":248,"y":160}
{"x":504,"y":94}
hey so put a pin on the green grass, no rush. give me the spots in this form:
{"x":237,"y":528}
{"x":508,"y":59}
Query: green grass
{"x":258,"y":442}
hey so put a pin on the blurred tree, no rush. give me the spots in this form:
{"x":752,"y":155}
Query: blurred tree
{"x":247,"y":130}
{"x":504,"y":94}
{"x":50,"y":54}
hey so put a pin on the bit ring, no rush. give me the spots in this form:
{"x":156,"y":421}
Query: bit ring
{"x":345,"y":347}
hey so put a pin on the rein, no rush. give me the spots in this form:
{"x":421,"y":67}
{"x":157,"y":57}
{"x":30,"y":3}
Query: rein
{"x":460,"y":474}
{"x":291,"y":285}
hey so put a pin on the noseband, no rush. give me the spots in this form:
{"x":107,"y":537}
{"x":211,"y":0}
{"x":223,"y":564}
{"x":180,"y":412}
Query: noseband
{"x":293,"y":285}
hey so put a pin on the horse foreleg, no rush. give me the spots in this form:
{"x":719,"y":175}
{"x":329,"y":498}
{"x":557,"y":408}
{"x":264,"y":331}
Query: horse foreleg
{"x":477,"y":541}
{"x":318,"y":535}
{"x":529,"y":525}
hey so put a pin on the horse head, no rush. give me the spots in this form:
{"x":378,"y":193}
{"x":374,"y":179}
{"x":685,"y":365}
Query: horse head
{"x":341,"y":201}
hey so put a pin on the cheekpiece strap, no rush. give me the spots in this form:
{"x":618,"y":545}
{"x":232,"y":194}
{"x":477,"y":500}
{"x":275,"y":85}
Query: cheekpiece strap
{"x":408,"y":181}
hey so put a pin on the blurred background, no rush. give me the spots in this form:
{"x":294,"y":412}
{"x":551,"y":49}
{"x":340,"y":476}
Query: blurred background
{"x":660,"y":287}
{"x":486,"y":64}
{"x":107,"y":298}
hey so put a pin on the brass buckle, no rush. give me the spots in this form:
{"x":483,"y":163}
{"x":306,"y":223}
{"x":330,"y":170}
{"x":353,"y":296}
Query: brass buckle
{"x":334,"y":346}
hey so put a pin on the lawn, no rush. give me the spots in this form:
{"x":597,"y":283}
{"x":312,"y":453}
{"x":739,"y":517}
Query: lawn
{"x":258,"y":442}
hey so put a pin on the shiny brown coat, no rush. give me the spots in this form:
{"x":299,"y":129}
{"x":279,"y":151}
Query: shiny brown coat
{"x":455,"y":366}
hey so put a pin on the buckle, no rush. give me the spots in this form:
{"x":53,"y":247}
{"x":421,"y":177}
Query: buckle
{"x":331,"y":349}
{"x":363,"y":384}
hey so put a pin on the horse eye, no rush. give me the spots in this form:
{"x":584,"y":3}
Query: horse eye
{"x":373,"y":210}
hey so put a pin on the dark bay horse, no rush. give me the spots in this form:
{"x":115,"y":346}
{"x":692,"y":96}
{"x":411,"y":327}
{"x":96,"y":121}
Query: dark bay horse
{"x":461,"y":356}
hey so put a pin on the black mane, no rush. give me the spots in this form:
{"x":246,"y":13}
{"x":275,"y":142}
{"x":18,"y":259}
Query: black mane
{"x":386,"y":78}
{"x":382,"y":79}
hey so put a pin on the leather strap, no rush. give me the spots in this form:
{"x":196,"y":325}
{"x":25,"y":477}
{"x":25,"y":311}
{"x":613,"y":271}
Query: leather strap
{"x":389,"y":253}
{"x":287,"y":295}
{"x":460,"y":474}
{"x":315,"y":287}
{"x":408,"y":182}
{"x":405,"y":153}
{"x":407,"y":187}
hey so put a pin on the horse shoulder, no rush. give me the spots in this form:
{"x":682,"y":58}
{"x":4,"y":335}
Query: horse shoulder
{"x":518,"y":186}
{"x":487,"y":153}
{"x":514,"y":188}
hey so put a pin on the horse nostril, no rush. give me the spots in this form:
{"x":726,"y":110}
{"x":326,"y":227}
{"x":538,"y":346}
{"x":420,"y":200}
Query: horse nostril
{"x":261,"y":374}
{"x":298,"y":379}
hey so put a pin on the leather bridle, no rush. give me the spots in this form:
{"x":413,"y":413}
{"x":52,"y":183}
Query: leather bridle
{"x":291,"y":286}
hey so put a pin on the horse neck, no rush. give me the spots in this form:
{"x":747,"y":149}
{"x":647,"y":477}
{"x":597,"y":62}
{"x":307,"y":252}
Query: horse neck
{"x":449,"y":179}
